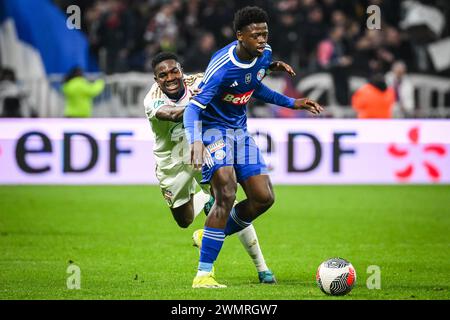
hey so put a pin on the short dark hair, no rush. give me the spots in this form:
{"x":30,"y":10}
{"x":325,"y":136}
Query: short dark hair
{"x":248,"y":15}
{"x":163,"y":56}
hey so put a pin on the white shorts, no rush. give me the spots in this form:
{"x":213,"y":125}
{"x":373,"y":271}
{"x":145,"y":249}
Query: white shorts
{"x":178,"y":184}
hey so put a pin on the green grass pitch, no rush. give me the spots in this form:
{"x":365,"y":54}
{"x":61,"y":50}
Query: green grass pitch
{"x":127,"y":245}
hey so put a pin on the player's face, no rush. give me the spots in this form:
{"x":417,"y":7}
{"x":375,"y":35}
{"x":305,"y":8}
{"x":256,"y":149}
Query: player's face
{"x":254,"y":38}
{"x":169,"y":76}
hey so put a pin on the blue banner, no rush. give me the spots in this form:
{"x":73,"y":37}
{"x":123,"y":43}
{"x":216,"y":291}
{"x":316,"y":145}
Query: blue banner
{"x":42,"y":25}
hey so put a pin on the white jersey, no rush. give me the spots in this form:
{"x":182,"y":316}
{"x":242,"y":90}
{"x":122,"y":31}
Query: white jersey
{"x":169,"y":136}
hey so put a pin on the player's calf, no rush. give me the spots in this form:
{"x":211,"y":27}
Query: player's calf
{"x":260,"y":197}
{"x":262,"y":202}
{"x":224,"y":189}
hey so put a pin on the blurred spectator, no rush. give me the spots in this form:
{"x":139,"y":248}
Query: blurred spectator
{"x":115,"y":35}
{"x":338,"y":18}
{"x":366,"y":59}
{"x":79,"y":94}
{"x":287,"y":29}
{"x":313,"y":31}
{"x":11,"y":94}
{"x":349,"y":7}
{"x":397,"y":44}
{"x":163,"y":28}
{"x":198,"y":55}
{"x":404,"y":91}
{"x":216,"y":16}
{"x":374,"y":99}
{"x":332,"y":56}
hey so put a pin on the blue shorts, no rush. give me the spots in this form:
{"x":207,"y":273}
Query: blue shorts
{"x":237,"y":149}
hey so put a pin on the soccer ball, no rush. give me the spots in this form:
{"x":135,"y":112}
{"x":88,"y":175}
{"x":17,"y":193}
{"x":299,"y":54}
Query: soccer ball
{"x":336,"y":277}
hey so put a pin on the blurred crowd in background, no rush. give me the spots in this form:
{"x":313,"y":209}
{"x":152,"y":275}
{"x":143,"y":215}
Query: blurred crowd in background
{"x":125,"y":34}
{"x":312,"y":35}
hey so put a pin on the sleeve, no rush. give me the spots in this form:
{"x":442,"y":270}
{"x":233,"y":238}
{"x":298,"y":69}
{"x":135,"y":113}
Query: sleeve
{"x":266,"y":94}
{"x":152,"y":107}
{"x":210,"y":86}
{"x":268,"y":51}
{"x":92,"y":89}
{"x":193,"y":81}
{"x":191,"y":119}
{"x":152,"y":103}
{"x":269,"y":58}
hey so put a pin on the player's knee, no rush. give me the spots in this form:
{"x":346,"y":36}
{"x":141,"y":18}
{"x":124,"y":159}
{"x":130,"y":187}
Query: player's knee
{"x":184,"y":222}
{"x":183,"y":216}
{"x":268,"y":201}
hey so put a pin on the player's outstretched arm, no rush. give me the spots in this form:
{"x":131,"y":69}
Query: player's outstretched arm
{"x":266,"y":94}
{"x":308,"y":105}
{"x":282,"y":67}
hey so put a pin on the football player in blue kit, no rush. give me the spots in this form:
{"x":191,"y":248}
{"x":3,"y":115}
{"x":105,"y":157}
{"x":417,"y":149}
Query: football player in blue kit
{"x":216,"y":119}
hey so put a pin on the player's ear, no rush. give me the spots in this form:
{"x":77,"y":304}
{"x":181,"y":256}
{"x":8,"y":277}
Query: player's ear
{"x":239,"y":35}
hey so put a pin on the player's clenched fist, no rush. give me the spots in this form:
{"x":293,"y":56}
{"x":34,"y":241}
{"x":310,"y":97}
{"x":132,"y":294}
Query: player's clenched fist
{"x":309,"y":105}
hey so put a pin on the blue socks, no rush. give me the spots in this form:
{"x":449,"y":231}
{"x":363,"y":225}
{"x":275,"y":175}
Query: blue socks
{"x":234,"y":223}
{"x":213,"y":240}
{"x":211,"y":244}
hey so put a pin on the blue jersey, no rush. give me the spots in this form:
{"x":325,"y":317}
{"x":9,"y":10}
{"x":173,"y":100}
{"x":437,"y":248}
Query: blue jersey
{"x":228,"y":85}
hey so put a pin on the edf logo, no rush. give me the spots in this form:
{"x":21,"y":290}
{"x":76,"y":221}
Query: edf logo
{"x":337,"y":151}
{"x":46,"y":147}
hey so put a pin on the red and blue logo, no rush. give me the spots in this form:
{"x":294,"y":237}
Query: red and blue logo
{"x":237,"y":99}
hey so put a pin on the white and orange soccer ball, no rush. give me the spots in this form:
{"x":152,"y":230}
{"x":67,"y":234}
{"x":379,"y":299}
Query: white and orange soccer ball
{"x":336,"y":276}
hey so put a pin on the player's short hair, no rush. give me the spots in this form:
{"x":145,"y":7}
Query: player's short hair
{"x":163,"y":56}
{"x":248,"y":15}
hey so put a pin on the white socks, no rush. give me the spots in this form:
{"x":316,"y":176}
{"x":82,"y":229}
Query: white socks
{"x":200,"y":199}
{"x":250,"y":242}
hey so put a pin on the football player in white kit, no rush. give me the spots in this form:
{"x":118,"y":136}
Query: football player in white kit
{"x":164,"y":107}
